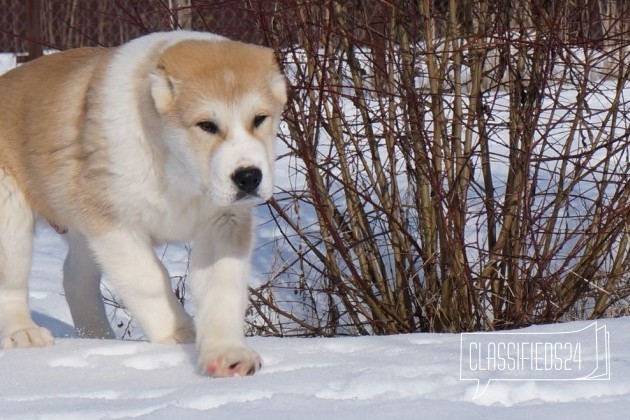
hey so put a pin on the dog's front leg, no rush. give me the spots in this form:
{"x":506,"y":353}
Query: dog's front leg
{"x":219,"y":275}
{"x":129,"y":261}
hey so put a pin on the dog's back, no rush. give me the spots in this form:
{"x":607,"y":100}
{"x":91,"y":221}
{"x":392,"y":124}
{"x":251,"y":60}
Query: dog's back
{"x":40,"y":121}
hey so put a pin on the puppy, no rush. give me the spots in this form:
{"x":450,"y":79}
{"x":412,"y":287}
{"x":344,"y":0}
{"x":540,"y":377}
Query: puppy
{"x":166,"y":138}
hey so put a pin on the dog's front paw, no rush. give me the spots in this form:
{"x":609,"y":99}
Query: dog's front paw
{"x":226,"y":361}
{"x":27,"y":337}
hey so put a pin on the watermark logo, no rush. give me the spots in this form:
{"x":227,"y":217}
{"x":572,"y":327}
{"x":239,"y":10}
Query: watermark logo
{"x":518,"y":356}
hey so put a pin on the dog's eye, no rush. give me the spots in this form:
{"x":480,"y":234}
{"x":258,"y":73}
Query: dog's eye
{"x":258,"y":120}
{"x":208,"y":127}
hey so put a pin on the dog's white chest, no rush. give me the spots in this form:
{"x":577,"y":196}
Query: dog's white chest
{"x":175,"y":221}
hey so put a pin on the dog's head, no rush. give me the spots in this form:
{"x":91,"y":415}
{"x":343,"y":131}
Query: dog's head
{"x":220,"y":104}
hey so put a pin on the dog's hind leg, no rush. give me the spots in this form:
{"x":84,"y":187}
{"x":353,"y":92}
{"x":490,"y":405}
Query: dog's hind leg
{"x":82,"y":285}
{"x":17,"y":328}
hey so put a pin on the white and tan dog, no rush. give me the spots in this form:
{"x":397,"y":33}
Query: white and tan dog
{"x":166,"y":138}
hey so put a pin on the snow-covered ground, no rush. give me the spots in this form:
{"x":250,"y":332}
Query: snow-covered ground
{"x":405,"y":376}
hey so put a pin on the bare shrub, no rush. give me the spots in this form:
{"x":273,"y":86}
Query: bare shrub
{"x":455,"y":166}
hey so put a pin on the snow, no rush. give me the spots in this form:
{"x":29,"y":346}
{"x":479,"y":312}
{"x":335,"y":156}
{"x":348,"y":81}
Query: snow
{"x":403,"y":376}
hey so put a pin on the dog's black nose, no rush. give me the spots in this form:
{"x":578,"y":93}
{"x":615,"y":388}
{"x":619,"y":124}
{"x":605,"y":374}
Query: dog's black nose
{"x":247,"y":180}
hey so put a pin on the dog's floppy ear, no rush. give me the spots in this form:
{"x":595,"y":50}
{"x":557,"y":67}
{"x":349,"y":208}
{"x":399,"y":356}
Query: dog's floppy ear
{"x":279,"y":87}
{"x":162,"y":89}
{"x":277,"y":81}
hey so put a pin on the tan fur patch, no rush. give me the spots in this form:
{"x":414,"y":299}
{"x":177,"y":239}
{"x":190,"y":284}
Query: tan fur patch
{"x":40,"y":121}
{"x":222,"y":70}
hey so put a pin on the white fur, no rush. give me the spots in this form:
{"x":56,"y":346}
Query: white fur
{"x":16,"y":225}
